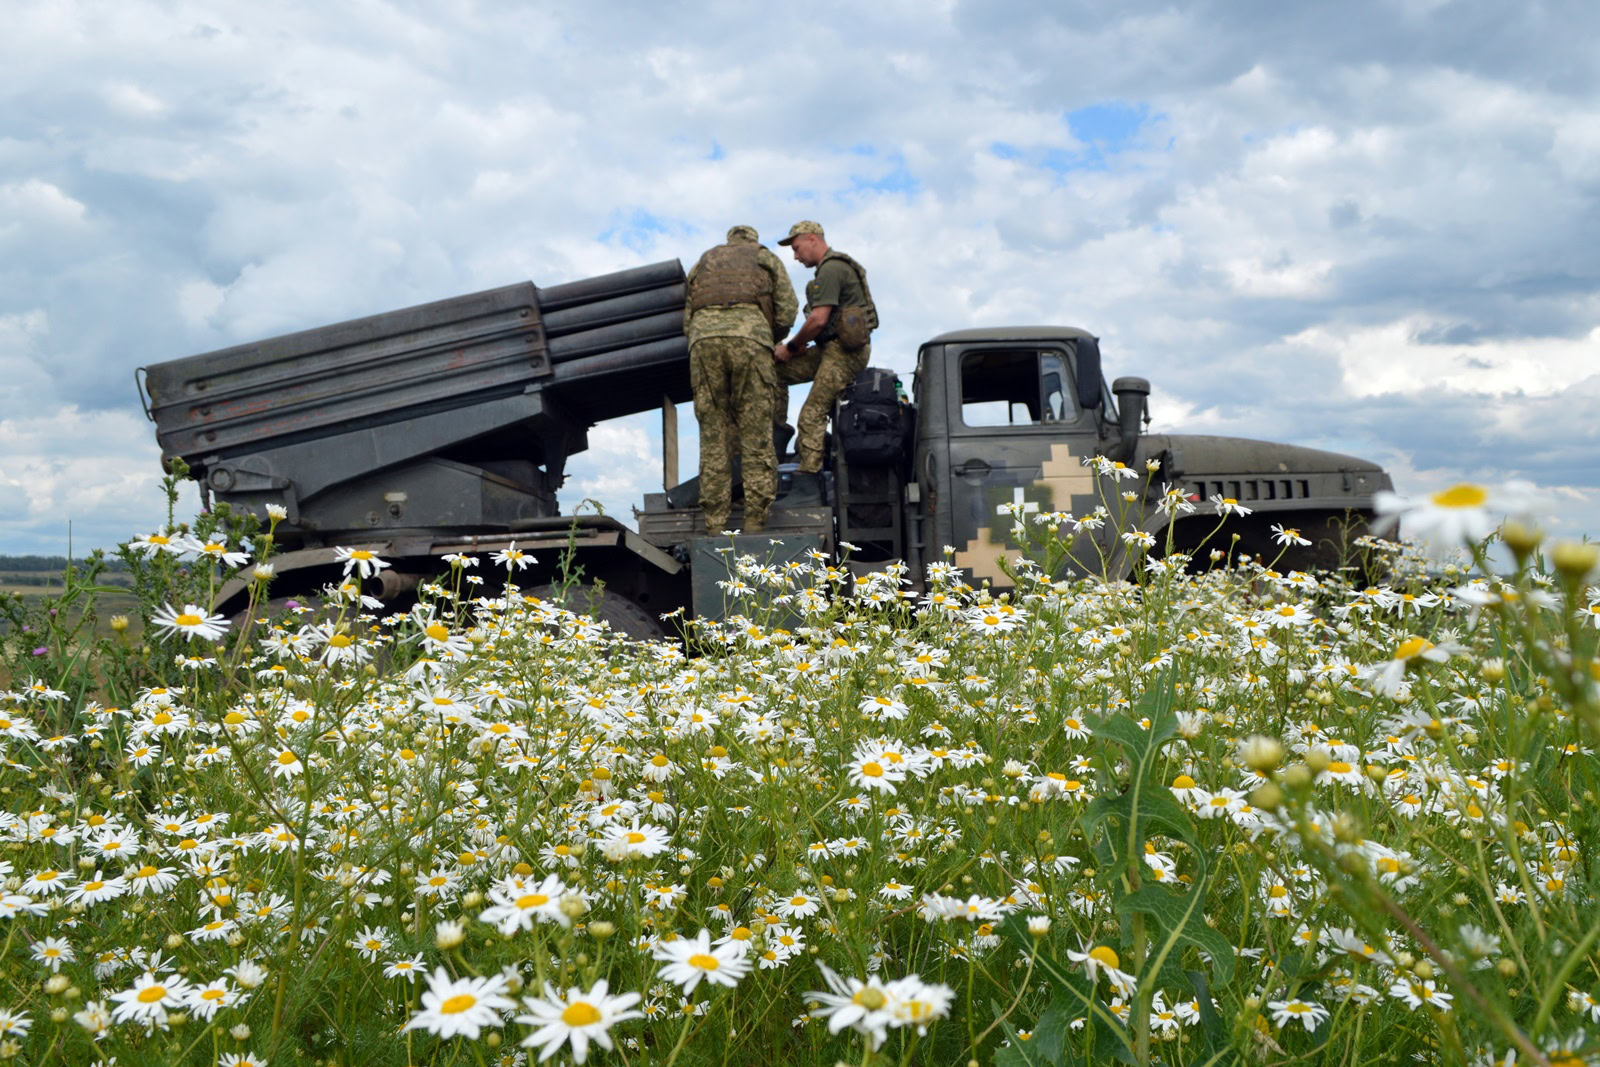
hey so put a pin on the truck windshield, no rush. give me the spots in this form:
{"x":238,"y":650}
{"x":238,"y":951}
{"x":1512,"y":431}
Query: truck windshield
{"x":1016,"y":387}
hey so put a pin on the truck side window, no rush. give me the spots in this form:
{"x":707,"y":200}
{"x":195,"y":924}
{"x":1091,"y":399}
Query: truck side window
{"x":1058,"y":405}
{"x":1011,"y":387}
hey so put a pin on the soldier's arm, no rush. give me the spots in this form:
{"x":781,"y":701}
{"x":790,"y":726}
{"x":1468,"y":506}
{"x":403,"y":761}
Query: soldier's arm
{"x":785,"y":305}
{"x":808,"y":331}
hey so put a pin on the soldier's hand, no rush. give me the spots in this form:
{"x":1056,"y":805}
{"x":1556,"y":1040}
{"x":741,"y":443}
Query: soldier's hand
{"x":780,"y":352}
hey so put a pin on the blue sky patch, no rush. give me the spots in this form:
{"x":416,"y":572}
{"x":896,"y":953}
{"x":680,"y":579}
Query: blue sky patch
{"x":1107,"y":127}
{"x":636,"y":229}
{"x":1102,"y":130}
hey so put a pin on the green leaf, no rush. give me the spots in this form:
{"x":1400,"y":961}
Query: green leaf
{"x":1145,"y":805}
{"x":1181,"y":917}
{"x":1216,"y":1038}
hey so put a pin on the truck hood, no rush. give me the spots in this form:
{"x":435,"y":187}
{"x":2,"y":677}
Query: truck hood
{"x":1206,"y":454}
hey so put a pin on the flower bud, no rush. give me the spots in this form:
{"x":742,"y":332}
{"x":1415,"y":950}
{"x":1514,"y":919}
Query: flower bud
{"x":1297,"y":776}
{"x":1575,"y":558}
{"x":1521,"y":538}
{"x":1266,"y":796}
{"x":119,"y":623}
{"x":1262,"y":753}
{"x":448,"y":934}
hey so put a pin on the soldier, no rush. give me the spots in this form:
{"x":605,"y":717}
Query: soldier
{"x":839,"y":319}
{"x":737,"y":301}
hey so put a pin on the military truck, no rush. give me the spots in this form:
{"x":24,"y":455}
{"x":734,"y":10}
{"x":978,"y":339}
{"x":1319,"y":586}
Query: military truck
{"x":446,"y":428}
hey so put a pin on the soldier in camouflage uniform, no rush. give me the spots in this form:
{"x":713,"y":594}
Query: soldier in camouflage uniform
{"x":828,"y":365}
{"x":737,"y":301}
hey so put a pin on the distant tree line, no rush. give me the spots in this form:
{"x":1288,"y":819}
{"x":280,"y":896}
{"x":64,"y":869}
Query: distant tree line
{"x":54,"y":564}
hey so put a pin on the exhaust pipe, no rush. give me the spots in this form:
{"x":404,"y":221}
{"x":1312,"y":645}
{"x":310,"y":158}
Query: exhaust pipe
{"x":1132,"y":397}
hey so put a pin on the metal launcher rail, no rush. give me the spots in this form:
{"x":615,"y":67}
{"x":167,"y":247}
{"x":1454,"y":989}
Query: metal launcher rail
{"x":458,"y":414}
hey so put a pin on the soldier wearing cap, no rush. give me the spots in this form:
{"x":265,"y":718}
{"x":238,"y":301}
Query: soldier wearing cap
{"x":839,"y":317}
{"x":738,"y":299}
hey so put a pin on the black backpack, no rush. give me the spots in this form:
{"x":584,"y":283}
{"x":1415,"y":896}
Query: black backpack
{"x":872,"y":421}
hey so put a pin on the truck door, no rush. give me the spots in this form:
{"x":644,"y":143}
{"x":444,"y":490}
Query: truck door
{"x":1017,"y":437}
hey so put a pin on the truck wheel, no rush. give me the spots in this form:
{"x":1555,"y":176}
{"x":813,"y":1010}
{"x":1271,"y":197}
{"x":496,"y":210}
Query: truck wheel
{"x":625,"y":617}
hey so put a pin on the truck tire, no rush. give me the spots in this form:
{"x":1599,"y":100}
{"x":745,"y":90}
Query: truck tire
{"x":625,"y":616}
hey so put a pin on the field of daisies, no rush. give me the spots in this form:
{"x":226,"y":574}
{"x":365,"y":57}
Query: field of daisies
{"x":1220,"y":812}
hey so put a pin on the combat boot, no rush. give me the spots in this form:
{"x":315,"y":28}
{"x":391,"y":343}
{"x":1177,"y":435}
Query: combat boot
{"x":755,"y":526}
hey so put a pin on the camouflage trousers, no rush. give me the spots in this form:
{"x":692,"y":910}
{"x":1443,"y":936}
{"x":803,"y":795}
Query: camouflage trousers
{"x":733,"y":380}
{"x":829,"y":368}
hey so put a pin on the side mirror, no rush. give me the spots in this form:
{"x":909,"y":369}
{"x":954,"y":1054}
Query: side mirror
{"x":1132,"y":395}
{"x":1089,"y":374}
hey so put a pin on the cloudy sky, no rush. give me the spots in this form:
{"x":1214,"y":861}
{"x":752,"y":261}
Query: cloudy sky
{"x":1369,"y":226}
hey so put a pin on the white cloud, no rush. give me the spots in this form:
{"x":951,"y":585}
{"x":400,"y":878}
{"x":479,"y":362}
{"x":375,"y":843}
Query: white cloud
{"x":35,"y":200}
{"x":132,"y":100}
{"x":95,"y":474}
{"x":1393,"y":358}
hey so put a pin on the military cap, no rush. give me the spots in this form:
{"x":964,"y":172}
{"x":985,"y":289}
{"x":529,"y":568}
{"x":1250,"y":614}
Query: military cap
{"x":748,"y":233}
{"x":803,"y":226}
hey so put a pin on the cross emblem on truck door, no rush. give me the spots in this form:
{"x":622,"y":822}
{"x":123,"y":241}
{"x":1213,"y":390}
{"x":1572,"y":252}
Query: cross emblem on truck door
{"x":1018,"y":506}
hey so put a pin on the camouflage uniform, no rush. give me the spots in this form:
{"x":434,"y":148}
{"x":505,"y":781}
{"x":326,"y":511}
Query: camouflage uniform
{"x":732,"y":373}
{"x":827,"y":364}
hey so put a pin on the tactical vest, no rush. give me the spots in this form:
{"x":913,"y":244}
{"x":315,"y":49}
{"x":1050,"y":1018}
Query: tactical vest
{"x":830,"y":331}
{"x":731,"y":274}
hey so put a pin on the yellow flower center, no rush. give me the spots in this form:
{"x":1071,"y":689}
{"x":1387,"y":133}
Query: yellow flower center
{"x":635,"y":837}
{"x":286,"y":757}
{"x":532,"y":900}
{"x":90,"y":887}
{"x":872,"y":770}
{"x":340,"y":641}
{"x":458,"y":1004}
{"x":659,"y":761}
{"x":1104,"y":954}
{"x":212,"y":994}
{"x":187,"y":619}
{"x":146,"y":871}
{"x":1183,"y":781}
{"x":437,"y":631}
{"x":363,"y":554}
{"x":160,"y":718}
{"x":869,"y":998}
{"x":1412,"y":647}
{"x":704,"y":962}
{"x":1461,"y":496}
{"x":581,"y":1014}
{"x":152,"y":994}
